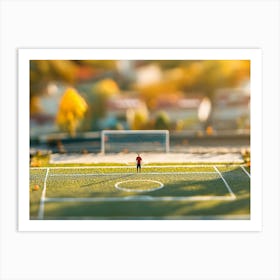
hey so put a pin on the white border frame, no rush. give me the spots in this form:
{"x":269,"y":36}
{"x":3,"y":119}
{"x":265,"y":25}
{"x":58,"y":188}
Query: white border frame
{"x":254,"y":224}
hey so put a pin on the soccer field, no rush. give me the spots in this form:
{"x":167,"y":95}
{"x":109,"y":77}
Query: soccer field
{"x":158,"y":192}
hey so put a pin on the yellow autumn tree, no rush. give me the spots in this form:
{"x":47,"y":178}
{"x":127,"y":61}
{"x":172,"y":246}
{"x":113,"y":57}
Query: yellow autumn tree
{"x":35,"y":106}
{"x":138,"y":119}
{"x":107,"y":87}
{"x":71,"y":110}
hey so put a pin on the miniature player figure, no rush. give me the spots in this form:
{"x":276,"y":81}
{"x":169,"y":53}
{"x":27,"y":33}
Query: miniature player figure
{"x":138,"y":163}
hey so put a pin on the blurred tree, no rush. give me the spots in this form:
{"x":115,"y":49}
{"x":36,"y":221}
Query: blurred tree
{"x":209,"y":75}
{"x":71,"y":110}
{"x":106,"y":87}
{"x":138,"y":119}
{"x":179,"y":125}
{"x":150,"y":93}
{"x":101,"y":92}
{"x":119,"y":126}
{"x":162,"y":121}
{"x":195,"y":76}
{"x":42,"y":72}
{"x":35,"y":105}
{"x":169,"y":64}
{"x":99,"y":64}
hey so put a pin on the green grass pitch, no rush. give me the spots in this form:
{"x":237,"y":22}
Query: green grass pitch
{"x":158,"y":192}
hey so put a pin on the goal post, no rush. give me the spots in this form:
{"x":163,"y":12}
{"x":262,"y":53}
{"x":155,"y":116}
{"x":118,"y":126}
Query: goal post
{"x":116,"y":141}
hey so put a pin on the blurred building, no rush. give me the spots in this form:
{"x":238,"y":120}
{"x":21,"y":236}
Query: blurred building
{"x":118,"y":109}
{"x":43,"y":122}
{"x":182,"y":111}
{"x":231,"y":109}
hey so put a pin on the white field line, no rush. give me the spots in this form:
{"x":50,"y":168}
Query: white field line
{"x":217,"y":217}
{"x":43,"y":198}
{"x":117,"y":186}
{"x":133,"y":166}
{"x":139,"y":198}
{"x":227,"y":185}
{"x":124,"y":173}
{"x":248,"y":174}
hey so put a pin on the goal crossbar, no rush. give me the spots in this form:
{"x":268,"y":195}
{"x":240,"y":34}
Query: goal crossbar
{"x":161,"y":137}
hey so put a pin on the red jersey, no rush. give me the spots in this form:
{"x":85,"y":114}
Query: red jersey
{"x":138,"y":159}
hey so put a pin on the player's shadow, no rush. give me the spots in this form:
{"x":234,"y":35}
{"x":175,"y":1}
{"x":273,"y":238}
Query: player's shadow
{"x":113,"y":178}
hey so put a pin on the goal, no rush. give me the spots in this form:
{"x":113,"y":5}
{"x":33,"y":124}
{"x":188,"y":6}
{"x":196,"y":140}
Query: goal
{"x":116,"y":141}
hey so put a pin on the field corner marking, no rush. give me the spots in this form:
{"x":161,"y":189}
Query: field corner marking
{"x":248,"y":174}
{"x":225,"y":182}
{"x":43,"y":197}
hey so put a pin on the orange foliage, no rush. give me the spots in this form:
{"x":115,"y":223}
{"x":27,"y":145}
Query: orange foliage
{"x":71,"y":110}
{"x":35,"y":106}
{"x":106,"y":87}
{"x":205,"y":76}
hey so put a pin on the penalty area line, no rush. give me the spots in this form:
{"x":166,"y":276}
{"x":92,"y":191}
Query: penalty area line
{"x":126,"y":173}
{"x":248,"y":174}
{"x":133,"y":166}
{"x":145,"y":198}
{"x":43,"y":197}
{"x":225,"y":182}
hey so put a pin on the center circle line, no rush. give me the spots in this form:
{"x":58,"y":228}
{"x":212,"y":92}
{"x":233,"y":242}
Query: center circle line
{"x":161,"y":185}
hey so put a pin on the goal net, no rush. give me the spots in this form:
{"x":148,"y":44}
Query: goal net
{"x":116,"y":141}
